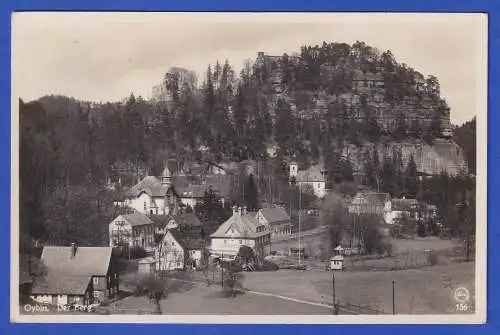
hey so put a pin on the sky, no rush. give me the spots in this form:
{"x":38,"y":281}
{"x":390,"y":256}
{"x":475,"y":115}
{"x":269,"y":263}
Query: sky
{"x":107,"y":56}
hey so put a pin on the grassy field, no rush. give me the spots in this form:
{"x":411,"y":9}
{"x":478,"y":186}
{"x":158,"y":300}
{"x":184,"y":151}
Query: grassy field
{"x":209,"y":300}
{"x":419,"y":291}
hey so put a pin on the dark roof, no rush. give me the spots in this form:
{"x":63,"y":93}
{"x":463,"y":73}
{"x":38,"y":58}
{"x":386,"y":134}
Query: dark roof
{"x":74,"y":285}
{"x":220,"y":183}
{"x":149,"y":184}
{"x":137,"y":219}
{"x":404,"y":204}
{"x":245,"y":225}
{"x":186,"y":243}
{"x":370,"y":199}
{"x":88,"y":261}
{"x":275,"y":214}
{"x":187,"y":220}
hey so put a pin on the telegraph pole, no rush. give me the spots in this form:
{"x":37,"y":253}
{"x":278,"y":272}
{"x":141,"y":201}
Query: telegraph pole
{"x":334,"y":296}
{"x":222,"y":270}
{"x":393,"y":299}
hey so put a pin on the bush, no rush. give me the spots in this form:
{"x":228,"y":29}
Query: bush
{"x":269,"y":266}
{"x":385,"y":248}
{"x":432,"y":258}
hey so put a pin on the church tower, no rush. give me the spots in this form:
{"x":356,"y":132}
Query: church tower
{"x":166,"y":177}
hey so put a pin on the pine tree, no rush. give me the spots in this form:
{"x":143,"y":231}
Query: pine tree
{"x":251,"y":195}
{"x":388,"y":177}
{"x":411,"y":178}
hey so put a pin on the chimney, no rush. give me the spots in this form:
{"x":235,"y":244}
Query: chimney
{"x":235,"y":210}
{"x":244,"y":210}
{"x":73,"y":250}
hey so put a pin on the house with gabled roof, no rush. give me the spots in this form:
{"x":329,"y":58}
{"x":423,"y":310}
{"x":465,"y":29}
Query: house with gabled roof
{"x":176,"y":251}
{"x":276,"y":219}
{"x":187,"y":223}
{"x":314,"y":177}
{"x":153,"y":195}
{"x":372,"y":203}
{"x":76,"y":275}
{"x":241,"y":229}
{"x":134,"y":230}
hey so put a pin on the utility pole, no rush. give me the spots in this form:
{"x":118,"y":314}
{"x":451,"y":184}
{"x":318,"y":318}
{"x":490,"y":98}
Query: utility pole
{"x":393,"y":298}
{"x":300,"y":213}
{"x":222,"y":270}
{"x":334,"y":296}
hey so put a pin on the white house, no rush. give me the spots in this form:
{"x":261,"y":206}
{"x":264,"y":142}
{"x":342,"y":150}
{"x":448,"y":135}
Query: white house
{"x":314,"y":177}
{"x":276,"y":220}
{"x":175,"y":252}
{"x":241,"y":229}
{"x":154,"y":196}
{"x":134,"y":229}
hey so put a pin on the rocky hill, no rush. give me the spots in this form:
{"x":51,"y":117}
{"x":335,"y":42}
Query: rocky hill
{"x":355,"y":89}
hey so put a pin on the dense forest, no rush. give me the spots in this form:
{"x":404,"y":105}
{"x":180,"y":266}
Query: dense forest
{"x":69,"y":148}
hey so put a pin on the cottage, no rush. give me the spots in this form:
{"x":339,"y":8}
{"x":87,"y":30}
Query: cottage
{"x":79,"y":275}
{"x":276,"y":220}
{"x":314,"y":177}
{"x":372,"y":203}
{"x":176,"y":252}
{"x":241,"y":229}
{"x":136,"y":229}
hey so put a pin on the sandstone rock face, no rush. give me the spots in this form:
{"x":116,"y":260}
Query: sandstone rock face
{"x":442,"y":155}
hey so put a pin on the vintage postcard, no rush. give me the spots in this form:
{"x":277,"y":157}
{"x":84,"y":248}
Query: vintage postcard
{"x":248,"y":168}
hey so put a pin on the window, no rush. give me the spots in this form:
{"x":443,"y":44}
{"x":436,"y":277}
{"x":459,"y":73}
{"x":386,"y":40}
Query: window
{"x":241,"y":242}
{"x":225,"y":241}
{"x":95,"y":280}
{"x":145,"y":206}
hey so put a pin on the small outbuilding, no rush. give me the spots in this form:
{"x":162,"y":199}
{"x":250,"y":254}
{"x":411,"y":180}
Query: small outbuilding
{"x":337,"y":262}
{"x":146,"y":265}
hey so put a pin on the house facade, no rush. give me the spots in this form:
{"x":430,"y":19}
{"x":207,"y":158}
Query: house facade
{"x":154,"y":196}
{"x":372,"y":203}
{"x":133,"y":230}
{"x":81,"y":275}
{"x":314,"y":178}
{"x":276,"y":220}
{"x":241,"y":229}
{"x":404,"y":209}
{"x":176,"y":252}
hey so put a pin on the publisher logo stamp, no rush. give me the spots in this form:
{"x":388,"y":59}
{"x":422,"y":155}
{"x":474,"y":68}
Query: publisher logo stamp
{"x":461,"y":295}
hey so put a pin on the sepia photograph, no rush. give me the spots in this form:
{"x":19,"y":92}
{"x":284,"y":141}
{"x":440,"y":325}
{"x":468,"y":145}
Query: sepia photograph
{"x":248,"y":167}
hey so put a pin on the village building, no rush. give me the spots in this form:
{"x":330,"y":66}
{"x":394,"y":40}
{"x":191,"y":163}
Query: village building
{"x":133,"y":230}
{"x":76,"y":275}
{"x":241,"y":229}
{"x":314,"y":177}
{"x":404,"y":209}
{"x":276,"y":220}
{"x":188,"y":224}
{"x":176,"y":252}
{"x":372,"y":203}
{"x":153,"y":195}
